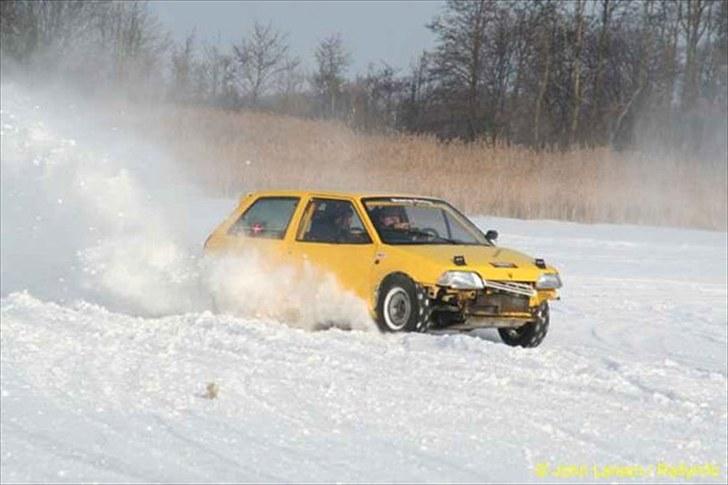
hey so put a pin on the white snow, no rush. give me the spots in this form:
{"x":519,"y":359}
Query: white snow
{"x":103,"y":381}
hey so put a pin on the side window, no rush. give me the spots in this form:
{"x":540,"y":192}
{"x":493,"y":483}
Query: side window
{"x":267,"y":218}
{"x":332,"y":221}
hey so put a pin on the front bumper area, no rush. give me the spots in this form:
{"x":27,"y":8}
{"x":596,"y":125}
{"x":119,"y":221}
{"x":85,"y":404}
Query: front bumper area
{"x":487,"y":308}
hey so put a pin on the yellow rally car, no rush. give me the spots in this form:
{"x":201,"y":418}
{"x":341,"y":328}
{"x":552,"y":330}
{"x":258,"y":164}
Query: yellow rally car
{"x":417,"y":262}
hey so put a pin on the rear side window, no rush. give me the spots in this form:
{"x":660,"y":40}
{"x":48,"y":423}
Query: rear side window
{"x":267,"y":218}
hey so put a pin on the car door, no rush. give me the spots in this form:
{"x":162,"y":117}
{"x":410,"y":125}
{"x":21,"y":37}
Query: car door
{"x":346,"y":252}
{"x":260,"y":226}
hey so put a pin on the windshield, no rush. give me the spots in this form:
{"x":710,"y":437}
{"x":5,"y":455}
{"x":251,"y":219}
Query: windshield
{"x":421,"y":221}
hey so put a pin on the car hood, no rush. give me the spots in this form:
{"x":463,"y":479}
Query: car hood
{"x":491,"y":262}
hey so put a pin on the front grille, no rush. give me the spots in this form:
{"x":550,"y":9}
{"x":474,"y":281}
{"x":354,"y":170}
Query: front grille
{"x":498,"y":303}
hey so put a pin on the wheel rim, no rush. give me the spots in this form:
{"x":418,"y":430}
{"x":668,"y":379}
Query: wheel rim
{"x":397,"y":308}
{"x":515,"y":332}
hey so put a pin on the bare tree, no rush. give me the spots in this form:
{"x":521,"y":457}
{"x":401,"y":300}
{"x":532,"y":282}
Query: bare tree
{"x":606,"y":10}
{"x":332,"y":62}
{"x":716,"y":58}
{"x":134,"y":43}
{"x":415,"y":104}
{"x":183,"y":70}
{"x":547,"y":20}
{"x":291,"y":78}
{"x":260,"y":57}
{"x":376,"y":97}
{"x":29,"y":28}
{"x":576,"y":71}
{"x":694,"y":20}
{"x":459,"y":57}
{"x":219,"y":72}
{"x":539,"y":72}
{"x":290,"y":84}
{"x":97,"y":44}
{"x":504,"y":54}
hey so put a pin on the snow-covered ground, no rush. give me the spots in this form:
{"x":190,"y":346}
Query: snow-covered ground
{"x":106,"y":382}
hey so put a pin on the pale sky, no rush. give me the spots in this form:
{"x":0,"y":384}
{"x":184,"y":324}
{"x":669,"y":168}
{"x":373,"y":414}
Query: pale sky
{"x":373,"y":31}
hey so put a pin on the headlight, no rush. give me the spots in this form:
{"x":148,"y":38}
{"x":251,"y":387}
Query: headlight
{"x":461,"y":280}
{"x":548,"y":281}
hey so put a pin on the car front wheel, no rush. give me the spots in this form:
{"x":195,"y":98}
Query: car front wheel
{"x":531,"y":334}
{"x":402,"y":305}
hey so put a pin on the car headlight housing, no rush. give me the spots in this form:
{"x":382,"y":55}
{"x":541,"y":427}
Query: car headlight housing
{"x":461,"y":280}
{"x":548,"y":281}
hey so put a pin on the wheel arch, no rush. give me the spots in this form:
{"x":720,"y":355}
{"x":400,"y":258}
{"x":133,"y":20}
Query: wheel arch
{"x":387,"y":277}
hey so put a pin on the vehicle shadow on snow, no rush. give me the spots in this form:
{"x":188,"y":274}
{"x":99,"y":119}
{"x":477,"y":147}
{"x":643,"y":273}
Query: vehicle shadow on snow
{"x":489,"y":334}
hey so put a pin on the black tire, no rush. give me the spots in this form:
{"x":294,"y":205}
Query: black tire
{"x":531,"y":334}
{"x":402,"y":305}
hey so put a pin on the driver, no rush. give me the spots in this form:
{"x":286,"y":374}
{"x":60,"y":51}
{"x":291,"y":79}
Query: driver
{"x":332,"y":224}
{"x":338,"y":224}
{"x":342,"y":222}
{"x":392,"y":218}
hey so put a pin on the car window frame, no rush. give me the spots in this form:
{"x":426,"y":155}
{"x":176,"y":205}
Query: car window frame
{"x":284,"y":235}
{"x":314,"y":198}
{"x":464,"y":219}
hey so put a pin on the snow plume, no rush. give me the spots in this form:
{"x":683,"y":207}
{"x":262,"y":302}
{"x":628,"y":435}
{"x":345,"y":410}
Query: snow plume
{"x":246,"y":284}
{"x":83,"y":213}
{"x":91,"y":213}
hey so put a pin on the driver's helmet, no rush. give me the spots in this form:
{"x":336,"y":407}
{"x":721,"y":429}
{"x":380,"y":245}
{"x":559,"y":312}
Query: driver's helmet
{"x":392,"y":211}
{"x":339,"y":210}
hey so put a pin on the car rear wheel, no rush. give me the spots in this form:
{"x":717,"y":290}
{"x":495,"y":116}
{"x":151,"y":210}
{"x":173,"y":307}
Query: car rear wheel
{"x":531,"y":334}
{"x":402,"y":305}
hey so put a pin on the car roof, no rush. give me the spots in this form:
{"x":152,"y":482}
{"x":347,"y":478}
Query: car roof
{"x":334,"y":194}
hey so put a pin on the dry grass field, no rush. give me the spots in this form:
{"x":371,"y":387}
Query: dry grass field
{"x":234,"y":152}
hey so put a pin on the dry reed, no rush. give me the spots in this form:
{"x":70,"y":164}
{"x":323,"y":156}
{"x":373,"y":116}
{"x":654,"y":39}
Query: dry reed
{"x":233,"y":152}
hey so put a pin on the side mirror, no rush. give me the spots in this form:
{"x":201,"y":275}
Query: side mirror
{"x":491,"y":235}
